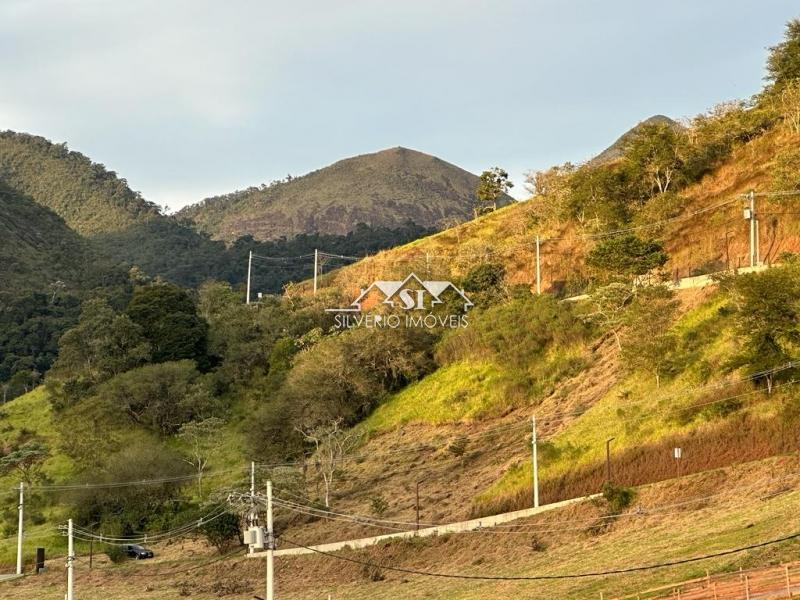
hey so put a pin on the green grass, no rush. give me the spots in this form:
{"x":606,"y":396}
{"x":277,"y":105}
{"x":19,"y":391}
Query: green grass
{"x":635,"y":411}
{"x":32,"y":413}
{"x":463,"y":390}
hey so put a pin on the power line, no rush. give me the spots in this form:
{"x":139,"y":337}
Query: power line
{"x":549,"y":576}
{"x":657,"y":510}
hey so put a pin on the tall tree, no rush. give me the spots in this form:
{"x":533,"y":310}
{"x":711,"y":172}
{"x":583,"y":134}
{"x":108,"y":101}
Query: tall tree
{"x":203,"y":439}
{"x":768,"y":308}
{"x":648,"y":343}
{"x":493,"y":184}
{"x":331,"y":444}
{"x":783,"y":63}
{"x":102,"y":345}
{"x":656,"y":154}
{"x":626,"y":257}
{"x":168,"y":317}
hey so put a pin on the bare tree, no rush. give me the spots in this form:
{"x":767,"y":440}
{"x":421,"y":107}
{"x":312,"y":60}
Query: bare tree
{"x":790,"y":105}
{"x":203,"y":439}
{"x":331,"y":444}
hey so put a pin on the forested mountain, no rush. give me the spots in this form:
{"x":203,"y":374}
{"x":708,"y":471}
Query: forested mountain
{"x":88,"y":197}
{"x":38,"y":250}
{"x":383,"y":189}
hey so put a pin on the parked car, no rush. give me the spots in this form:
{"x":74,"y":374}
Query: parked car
{"x":138,"y":552}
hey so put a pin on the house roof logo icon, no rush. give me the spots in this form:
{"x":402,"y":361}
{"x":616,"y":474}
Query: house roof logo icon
{"x":398,"y":293}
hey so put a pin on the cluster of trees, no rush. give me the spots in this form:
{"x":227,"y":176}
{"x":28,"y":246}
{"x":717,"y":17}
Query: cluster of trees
{"x":659,"y":157}
{"x":30,"y":325}
{"x":175,"y":251}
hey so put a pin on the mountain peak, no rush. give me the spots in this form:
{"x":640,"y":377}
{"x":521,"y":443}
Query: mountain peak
{"x":615,"y":150}
{"x":386,"y":188}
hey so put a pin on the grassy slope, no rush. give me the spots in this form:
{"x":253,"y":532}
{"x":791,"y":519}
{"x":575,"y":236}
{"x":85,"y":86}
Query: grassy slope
{"x":508,"y":235}
{"x":752,"y":503}
{"x":32,"y":413}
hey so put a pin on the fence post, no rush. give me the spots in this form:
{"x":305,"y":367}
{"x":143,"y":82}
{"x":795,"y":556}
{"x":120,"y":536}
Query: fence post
{"x":715,"y":591}
{"x":788,"y":581}
{"x":747,"y":587}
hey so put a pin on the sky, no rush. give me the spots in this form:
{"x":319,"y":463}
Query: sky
{"x":188,"y":99}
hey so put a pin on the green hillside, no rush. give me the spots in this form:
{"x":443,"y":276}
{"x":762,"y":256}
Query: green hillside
{"x":383,"y":189}
{"x":37,"y":249}
{"x":85,"y":194}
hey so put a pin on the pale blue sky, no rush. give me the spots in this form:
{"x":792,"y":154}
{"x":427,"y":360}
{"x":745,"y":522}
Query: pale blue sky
{"x":192,"y":98}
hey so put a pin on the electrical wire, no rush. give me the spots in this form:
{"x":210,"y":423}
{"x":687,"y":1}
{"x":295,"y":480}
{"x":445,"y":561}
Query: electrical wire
{"x":657,"y":510}
{"x":546,"y":577}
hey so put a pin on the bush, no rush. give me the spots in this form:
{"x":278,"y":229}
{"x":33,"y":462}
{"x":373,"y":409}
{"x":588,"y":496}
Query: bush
{"x":618,"y":497}
{"x":485,"y":277}
{"x":516,"y":331}
{"x":224,"y":532}
{"x":161,"y":397}
{"x":132,"y":509}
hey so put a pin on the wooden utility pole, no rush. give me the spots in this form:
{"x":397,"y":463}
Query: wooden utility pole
{"x":608,"y":459}
{"x":316,"y":268}
{"x":538,"y":267}
{"x":535,"y":463}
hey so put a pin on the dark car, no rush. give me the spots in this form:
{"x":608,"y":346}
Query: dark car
{"x":138,"y":552}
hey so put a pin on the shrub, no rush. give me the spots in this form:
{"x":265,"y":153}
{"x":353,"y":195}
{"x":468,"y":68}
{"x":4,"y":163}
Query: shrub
{"x":224,"y":532}
{"x":161,"y":397}
{"x":618,"y":497}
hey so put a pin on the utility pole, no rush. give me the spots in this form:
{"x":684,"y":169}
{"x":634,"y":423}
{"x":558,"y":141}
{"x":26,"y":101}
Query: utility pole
{"x":608,"y":459}
{"x":270,"y":546}
{"x":70,"y":561}
{"x":252,"y":480}
{"x":417,"y":504}
{"x":316,"y":268}
{"x":535,"y":458}
{"x":750,"y":215}
{"x":19,"y":527}
{"x":249,"y":270}
{"x":538,"y":268}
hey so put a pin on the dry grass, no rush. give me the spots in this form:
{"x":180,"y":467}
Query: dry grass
{"x":694,"y":515}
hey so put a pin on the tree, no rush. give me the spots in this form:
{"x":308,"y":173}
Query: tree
{"x":223,"y":532}
{"x":161,"y":397}
{"x":129,"y":510}
{"x":607,"y":310}
{"x":27,"y":460}
{"x":626,"y":257}
{"x":485,"y":277}
{"x":169,"y":320}
{"x":656,"y":154}
{"x":648,"y":343}
{"x":783,"y":63}
{"x":768,"y":310}
{"x":493,"y":184}
{"x":601,"y":193}
{"x":203,"y":439}
{"x":331,"y":444}
{"x":102,"y":345}
{"x":789,"y":102}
